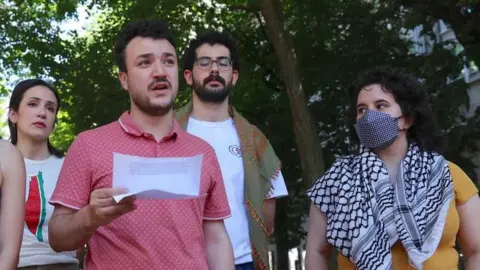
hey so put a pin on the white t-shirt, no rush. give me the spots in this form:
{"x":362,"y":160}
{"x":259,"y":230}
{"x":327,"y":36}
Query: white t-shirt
{"x":41,"y":179}
{"x":223,"y":137}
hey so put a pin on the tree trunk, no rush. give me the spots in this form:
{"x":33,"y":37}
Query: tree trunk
{"x":309,"y":149}
{"x":308,"y":143}
{"x":282,"y":243}
{"x":282,"y":255}
{"x":299,"y":263}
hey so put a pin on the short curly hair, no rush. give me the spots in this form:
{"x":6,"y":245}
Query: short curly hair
{"x":147,"y":28}
{"x":412,"y":99}
{"x":211,"y":38}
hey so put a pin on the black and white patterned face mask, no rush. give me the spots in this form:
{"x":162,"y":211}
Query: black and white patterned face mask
{"x":377,"y":130}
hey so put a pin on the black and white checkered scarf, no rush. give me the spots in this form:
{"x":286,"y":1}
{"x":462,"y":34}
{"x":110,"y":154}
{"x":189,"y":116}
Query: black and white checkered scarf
{"x":366,"y":213}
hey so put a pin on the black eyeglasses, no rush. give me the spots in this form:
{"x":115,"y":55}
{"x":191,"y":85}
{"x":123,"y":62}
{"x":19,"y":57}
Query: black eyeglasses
{"x":223,"y":63}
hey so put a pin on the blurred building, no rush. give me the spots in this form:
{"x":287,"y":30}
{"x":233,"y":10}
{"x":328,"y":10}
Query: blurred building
{"x":422,"y":44}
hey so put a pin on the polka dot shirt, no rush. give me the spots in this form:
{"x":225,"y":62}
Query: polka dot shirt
{"x":159,"y":234}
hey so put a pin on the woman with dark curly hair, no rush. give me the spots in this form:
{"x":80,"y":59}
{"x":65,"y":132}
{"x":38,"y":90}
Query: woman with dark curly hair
{"x":397,"y":204}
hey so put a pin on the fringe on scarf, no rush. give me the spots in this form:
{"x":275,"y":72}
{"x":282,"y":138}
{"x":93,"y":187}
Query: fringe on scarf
{"x":256,"y":217}
{"x":274,"y":176}
{"x":256,"y":258}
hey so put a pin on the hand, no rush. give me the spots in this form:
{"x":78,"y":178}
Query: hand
{"x":104,"y":209}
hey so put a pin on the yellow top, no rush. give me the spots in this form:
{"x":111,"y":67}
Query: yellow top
{"x":445,"y":257}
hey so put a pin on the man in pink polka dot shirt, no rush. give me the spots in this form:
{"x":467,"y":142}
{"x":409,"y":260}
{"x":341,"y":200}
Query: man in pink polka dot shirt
{"x":141,"y":233}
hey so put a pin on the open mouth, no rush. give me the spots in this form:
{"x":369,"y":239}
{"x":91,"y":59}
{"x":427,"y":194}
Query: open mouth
{"x":160,"y":87}
{"x":214,"y":83}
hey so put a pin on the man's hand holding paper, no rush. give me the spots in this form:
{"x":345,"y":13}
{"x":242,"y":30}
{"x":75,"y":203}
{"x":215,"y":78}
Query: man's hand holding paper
{"x":104,"y":209}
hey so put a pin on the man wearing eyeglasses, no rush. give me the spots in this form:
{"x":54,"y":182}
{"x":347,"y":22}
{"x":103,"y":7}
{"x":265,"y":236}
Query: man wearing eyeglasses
{"x":249,"y":166}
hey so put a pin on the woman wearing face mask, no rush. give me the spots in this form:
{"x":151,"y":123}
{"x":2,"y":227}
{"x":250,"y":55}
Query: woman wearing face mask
{"x":397,"y":203}
{"x":12,"y":192}
{"x":33,"y":109}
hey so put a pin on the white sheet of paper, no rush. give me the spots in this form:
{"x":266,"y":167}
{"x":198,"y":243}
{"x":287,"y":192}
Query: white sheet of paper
{"x":157,"y":178}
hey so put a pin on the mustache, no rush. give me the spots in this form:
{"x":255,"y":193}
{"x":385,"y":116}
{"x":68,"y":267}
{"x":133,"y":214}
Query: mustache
{"x":160,"y":80}
{"x":214,"y":77}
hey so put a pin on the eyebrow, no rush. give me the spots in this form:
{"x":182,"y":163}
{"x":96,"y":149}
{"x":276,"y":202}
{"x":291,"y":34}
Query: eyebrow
{"x":221,"y":56}
{"x":381,"y":100}
{"x":360,"y":105}
{"x":49,"y":102}
{"x":376,"y":102}
{"x":148,"y":55}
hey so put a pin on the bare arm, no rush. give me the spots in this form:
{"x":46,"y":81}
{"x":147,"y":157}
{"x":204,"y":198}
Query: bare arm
{"x":218,"y":246}
{"x":269,"y":208}
{"x":469,"y":233}
{"x":318,"y":249}
{"x":70,"y":229}
{"x":12,"y":205}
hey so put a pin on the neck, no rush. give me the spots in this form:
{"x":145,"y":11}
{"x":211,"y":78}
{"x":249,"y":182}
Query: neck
{"x":32,"y":149}
{"x":158,"y":126}
{"x":395,"y":153}
{"x":210,"y":112}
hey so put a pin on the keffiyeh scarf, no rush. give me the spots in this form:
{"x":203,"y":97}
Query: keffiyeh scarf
{"x":367,"y":213}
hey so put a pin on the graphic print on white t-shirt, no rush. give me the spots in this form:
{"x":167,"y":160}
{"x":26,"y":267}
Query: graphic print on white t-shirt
{"x":35,"y":205}
{"x":223,"y":137}
{"x":41,"y":180}
{"x":235,"y":150}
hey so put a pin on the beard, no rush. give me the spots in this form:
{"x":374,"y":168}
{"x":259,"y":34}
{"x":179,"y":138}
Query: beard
{"x":143,"y":103}
{"x":208,"y":95}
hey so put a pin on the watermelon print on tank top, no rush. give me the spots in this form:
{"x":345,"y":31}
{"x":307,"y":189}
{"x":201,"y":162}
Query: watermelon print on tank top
{"x":35,"y":211}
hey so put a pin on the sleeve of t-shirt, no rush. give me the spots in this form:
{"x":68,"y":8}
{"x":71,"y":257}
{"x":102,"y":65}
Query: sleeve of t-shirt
{"x":74,"y":182}
{"x":216,"y":205}
{"x":279,"y":189}
{"x":462,"y":184}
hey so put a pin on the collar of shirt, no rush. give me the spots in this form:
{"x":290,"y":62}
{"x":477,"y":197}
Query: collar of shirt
{"x":129,"y":126}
